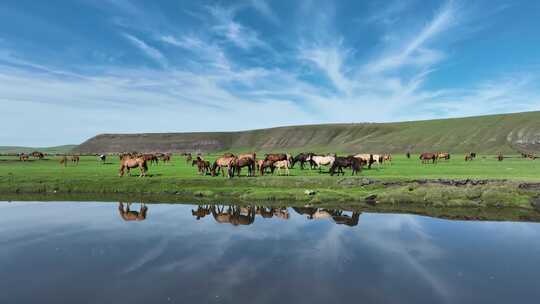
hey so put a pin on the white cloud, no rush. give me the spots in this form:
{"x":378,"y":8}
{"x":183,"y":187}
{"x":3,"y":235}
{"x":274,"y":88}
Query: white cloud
{"x":414,"y":52}
{"x":238,"y":34}
{"x":148,"y":50}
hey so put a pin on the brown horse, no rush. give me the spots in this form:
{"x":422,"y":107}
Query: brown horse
{"x":203,"y":166}
{"x":428,"y":156}
{"x":221,"y":163}
{"x":37,"y":154}
{"x":153,"y":159}
{"x":265,"y":164}
{"x":75,"y":159}
{"x":188,"y":157}
{"x":234,"y":215}
{"x":248,"y":162}
{"x":24,"y":157}
{"x":275,"y":157}
{"x":166,"y":158}
{"x":128,"y":163}
{"x":128,"y":215}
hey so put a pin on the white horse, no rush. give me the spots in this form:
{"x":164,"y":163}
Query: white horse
{"x":322,"y":160}
{"x":282,"y":164}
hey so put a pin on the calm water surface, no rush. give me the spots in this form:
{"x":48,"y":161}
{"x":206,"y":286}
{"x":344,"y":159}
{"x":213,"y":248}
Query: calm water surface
{"x":72,"y":252}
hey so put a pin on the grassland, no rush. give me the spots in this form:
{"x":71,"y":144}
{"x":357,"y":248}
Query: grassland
{"x":406,"y":184}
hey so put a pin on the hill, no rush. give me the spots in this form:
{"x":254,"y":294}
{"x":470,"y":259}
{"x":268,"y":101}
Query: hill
{"x":507,"y":133}
{"x":50,"y":150}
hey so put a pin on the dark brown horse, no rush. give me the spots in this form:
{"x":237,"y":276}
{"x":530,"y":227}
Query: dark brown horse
{"x":248,"y":162}
{"x":37,"y":154}
{"x":346,"y":162}
{"x":151,"y":158}
{"x":428,"y":156}
{"x":275,"y":157}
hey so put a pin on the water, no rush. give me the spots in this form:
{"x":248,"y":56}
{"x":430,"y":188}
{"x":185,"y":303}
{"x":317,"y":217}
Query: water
{"x":72,"y":252}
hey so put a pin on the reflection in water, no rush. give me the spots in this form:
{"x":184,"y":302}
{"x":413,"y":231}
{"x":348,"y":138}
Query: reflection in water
{"x":129,"y":215}
{"x":301,"y":255}
{"x":238,"y":215}
{"x":245,"y":215}
{"x":338,"y":216}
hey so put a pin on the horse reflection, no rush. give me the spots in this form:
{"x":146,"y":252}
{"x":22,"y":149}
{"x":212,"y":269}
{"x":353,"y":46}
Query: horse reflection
{"x":202,"y":211}
{"x":338,"y":216}
{"x":129,"y":215}
{"x":268,"y":212}
{"x":234,"y":215}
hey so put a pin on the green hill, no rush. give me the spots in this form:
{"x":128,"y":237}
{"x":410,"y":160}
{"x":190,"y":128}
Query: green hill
{"x":507,"y":133}
{"x":50,"y":150}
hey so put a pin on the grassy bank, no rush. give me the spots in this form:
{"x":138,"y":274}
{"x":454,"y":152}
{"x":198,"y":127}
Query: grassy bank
{"x":405,"y":182}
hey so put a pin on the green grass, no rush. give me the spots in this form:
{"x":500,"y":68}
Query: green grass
{"x":181,"y":181}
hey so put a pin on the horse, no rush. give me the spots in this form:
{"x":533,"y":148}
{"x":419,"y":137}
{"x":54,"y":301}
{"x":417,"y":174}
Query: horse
{"x":427,"y":156}
{"x":234,"y":215}
{"x":223,"y":162}
{"x":346,"y":162}
{"x":240,"y":162}
{"x":37,"y":154}
{"x":500,"y":156}
{"x":387,"y":158}
{"x":320,"y":161}
{"x":128,"y":215}
{"x":302,"y":158}
{"x":443,"y":155}
{"x":150,"y":158}
{"x":102,"y":157}
{"x":203,"y":166}
{"x":408,"y":155}
{"x":75,"y":159}
{"x":251,"y":155}
{"x":262,"y":165}
{"x":368,"y":159}
{"x":468,"y":157}
{"x":23,"y":157}
{"x":275,"y":157}
{"x":188,"y":157}
{"x":166,"y":158}
{"x":282,"y":164}
{"x":128,"y":163}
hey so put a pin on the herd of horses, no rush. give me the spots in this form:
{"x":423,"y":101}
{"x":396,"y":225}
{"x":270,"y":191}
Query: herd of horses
{"x":246,"y":215}
{"x":231,"y":165}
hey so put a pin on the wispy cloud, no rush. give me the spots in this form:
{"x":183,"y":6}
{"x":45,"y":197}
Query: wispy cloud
{"x":148,"y":50}
{"x":414,"y":52}
{"x":238,"y":34}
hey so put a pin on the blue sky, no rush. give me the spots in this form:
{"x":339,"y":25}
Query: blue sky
{"x":73,"y":69}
